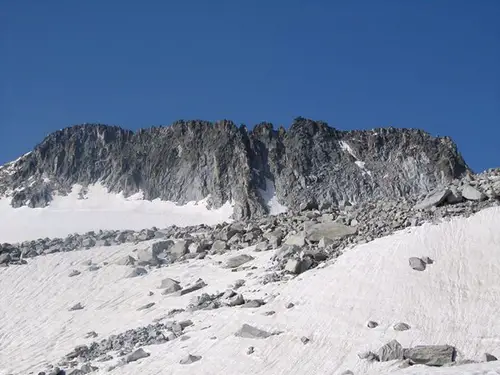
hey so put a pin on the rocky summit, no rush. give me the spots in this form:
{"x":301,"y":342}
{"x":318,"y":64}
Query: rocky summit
{"x":308,"y":166}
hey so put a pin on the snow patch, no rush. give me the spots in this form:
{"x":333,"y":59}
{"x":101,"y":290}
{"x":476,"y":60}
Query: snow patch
{"x":345,"y":146}
{"x":269,"y":196}
{"x":98,"y":209}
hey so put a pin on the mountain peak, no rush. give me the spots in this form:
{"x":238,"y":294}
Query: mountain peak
{"x":193,"y":160}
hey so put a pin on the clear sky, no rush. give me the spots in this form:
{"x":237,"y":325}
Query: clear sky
{"x":430,"y":64}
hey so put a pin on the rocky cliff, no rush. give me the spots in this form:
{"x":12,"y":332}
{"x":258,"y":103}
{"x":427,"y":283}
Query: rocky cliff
{"x":310,"y":164}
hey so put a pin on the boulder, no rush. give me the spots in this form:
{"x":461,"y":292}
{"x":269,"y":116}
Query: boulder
{"x":162,"y":246}
{"x":126,"y":261}
{"x":238,"y":260}
{"x":417,"y":264}
{"x":137,"y":271}
{"x":275,"y":237}
{"x":147,"y":257}
{"x":296,"y":240}
{"x":167,"y":283}
{"x":179,"y":249}
{"x":325,"y":242}
{"x":146,"y":306}
{"x":314,"y":232}
{"x":433,"y":200}
{"x":297,"y":266}
{"x":195,"y":248}
{"x":431,"y":355}
{"x":219,"y":246}
{"x":401,"y":327}
{"x":489,"y":357}
{"x":190,"y":359}
{"x":198,"y":285}
{"x":472,"y":194}
{"x":136,"y":355}
{"x":5,"y":258}
{"x":286,"y":251}
{"x":390,"y":351}
{"x":78,"y":306}
{"x":247,"y":331}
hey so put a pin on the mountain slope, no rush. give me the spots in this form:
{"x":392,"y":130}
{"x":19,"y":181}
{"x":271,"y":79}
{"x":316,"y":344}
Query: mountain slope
{"x":310,"y":164}
{"x":454,"y":301}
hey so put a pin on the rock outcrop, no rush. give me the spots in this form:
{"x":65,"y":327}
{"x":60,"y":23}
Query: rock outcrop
{"x":311,"y":165}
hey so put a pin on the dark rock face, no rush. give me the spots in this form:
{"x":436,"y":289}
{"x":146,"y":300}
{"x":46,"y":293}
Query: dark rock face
{"x":310,"y":164}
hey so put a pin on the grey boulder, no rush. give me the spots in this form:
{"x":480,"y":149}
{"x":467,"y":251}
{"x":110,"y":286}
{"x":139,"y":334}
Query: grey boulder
{"x":401,"y":327}
{"x":126,"y":261}
{"x":472,"y":194}
{"x":490,"y":357}
{"x":431,"y":355}
{"x":247,"y":331}
{"x":190,"y":359}
{"x":417,"y":264}
{"x":390,"y":351}
{"x":136,"y":355}
{"x":332,"y":230}
{"x":78,"y":306}
{"x":238,"y":260}
{"x":147,"y":257}
{"x":137,"y":271}
{"x":433,"y":200}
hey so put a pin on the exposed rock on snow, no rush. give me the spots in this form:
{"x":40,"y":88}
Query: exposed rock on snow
{"x":417,"y":264}
{"x":401,"y":327}
{"x":431,"y":355}
{"x":190,"y":359}
{"x":78,"y":306}
{"x":238,"y":260}
{"x":136,"y":355}
{"x":247,"y":331}
{"x":390,"y":351}
{"x":137,"y":271}
{"x":490,"y":357}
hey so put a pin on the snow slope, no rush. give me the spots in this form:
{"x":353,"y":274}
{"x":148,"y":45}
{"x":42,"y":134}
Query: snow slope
{"x":101,"y":210}
{"x":454,"y":301}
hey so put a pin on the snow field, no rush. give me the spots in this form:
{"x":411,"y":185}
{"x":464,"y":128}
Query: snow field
{"x":454,"y":301}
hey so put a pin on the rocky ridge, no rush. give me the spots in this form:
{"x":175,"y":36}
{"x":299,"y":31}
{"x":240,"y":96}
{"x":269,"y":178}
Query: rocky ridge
{"x":310,"y":165}
{"x":309,"y":237}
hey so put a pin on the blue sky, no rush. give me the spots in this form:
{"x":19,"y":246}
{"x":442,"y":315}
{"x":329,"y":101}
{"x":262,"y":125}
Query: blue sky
{"x":424,"y":64}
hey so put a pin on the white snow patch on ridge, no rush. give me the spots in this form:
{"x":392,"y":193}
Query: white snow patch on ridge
{"x":454,"y":301}
{"x":361,"y":164}
{"x":101,"y":210}
{"x":345,"y":146}
{"x":269,"y":196}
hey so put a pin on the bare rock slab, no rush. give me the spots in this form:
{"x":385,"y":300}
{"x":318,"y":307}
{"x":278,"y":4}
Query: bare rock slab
{"x":238,"y":260}
{"x":314,"y":232}
{"x":431,"y":355}
{"x":250,"y":332}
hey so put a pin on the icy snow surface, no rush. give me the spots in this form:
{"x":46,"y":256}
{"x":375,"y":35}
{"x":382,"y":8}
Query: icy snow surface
{"x":100,"y":210}
{"x":454,"y":301}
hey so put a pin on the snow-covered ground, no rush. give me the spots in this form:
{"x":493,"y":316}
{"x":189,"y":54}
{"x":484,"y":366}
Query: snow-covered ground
{"x":454,"y":301}
{"x":101,"y":210}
